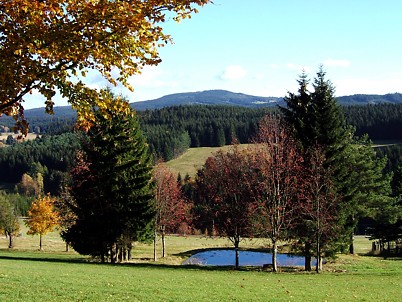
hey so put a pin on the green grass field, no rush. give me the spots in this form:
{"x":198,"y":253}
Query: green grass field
{"x":27,"y":274}
{"x":193,"y":159}
{"x":55,"y":275}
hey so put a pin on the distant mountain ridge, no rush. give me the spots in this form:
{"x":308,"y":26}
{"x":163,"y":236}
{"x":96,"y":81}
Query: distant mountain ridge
{"x":209,"y":97}
{"x":223,"y":97}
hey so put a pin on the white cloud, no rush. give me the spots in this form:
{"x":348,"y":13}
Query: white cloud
{"x":151,"y":76}
{"x":337,"y":63}
{"x":374,"y":84}
{"x":233,"y":72}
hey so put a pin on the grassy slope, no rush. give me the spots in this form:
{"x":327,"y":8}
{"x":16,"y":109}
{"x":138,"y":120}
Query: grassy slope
{"x":194,"y":158}
{"x":54,"y":275}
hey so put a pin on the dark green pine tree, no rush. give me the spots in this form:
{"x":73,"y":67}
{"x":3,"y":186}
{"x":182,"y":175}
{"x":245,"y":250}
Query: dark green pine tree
{"x":335,"y":137}
{"x":112,"y":188}
{"x":299,"y":112}
{"x":356,"y":172}
{"x":368,"y":187}
{"x":387,"y":214}
{"x":317,"y":121}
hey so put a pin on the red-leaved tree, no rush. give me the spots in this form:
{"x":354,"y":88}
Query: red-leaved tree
{"x":280,"y":176}
{"x":225,"y":193}
{"x":172,"y":208}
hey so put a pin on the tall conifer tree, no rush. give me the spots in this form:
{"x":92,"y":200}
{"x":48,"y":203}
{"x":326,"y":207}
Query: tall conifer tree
{"x":356,"y":172}
{"x":112,"y":187}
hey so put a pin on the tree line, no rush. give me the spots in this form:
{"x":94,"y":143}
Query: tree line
{"x":172,"y":130}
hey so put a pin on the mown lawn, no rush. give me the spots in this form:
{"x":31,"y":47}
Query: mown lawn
{"x":54,"y":275}
{"x":34,"y":278}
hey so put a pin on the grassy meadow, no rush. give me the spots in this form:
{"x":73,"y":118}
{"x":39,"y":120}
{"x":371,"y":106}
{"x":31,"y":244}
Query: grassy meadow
{"x":194,"y":158}
{"x":27,"y":274}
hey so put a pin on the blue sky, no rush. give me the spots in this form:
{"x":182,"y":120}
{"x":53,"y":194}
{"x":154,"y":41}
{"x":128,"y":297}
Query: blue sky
{"x":260,"y":47}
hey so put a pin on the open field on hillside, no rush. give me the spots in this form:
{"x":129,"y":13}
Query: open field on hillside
{"x":190,"y":161}
{"x":55,"y":275}
{"x":4,"y":135}
{"x":29,"y":136}
{"x":387,"y":142}
{"x":193,"y":159}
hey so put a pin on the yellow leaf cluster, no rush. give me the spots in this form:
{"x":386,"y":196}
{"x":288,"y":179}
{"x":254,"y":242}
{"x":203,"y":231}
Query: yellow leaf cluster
{"x":43,"y":44}
{"x":42,"y":217}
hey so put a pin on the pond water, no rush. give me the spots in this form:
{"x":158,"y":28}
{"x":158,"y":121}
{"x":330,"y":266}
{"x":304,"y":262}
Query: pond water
{"x":226,"y":257}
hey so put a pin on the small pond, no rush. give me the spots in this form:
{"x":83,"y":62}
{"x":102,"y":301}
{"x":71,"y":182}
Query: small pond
{"x":226,"y":257}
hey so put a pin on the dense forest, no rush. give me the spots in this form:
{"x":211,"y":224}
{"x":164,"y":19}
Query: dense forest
{"x":172,"y":130}
{"x":52,"y":155}
{"x":380,"y":121}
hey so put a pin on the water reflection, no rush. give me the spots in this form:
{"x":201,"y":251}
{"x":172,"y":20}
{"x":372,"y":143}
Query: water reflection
{"x":226,"y":257}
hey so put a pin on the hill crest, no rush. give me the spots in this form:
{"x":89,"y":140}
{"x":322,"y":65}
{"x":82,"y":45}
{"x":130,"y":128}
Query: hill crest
{"x":224,"y":97}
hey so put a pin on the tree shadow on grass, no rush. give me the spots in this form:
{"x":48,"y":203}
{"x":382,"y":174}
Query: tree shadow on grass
{"x":53,"y":258}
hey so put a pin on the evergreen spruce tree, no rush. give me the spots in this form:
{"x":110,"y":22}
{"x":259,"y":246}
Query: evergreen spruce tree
{"x":356,"y":172}
{"x":367,"y":188}
{"x":112,"y":188}
{"x":299,"y":112}
{"x":387,"y":215}
{"x":317,"y":121}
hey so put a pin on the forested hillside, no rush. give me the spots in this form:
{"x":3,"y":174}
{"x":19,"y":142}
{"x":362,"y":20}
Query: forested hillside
{"x":52,"y":156}
{"x":171,"y":130}
{"x":380,"y":121}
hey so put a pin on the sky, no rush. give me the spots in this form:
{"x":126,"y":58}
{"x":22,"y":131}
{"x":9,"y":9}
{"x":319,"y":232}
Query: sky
{"x":260,"y":47}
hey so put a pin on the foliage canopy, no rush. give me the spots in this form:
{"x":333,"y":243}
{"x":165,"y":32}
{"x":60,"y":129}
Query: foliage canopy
{"x":50,"y":46}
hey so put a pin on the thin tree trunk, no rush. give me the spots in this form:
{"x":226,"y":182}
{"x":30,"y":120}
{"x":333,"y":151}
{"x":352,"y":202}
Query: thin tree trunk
{"x":66,"y":247}
{"x":318,"y":251}
{"x":274,"y":256}
{"x":112,"y":255}
{"x":163,"y":245}
{"x":40,"y":242}
{"x":163,"y":242}
{"x":11,"y":241}
{"x":121,"y":253}
{"x":307,"y":256}
{"x":237,"y":262}
{"x":352,"y":246}
{"x":155,"y":237}
{"x":129,"y":252}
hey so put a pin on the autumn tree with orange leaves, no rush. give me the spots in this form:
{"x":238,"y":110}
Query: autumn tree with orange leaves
{"x":172,"y":208}
{"x":49,"y":46}
{"x":42,"y":217}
